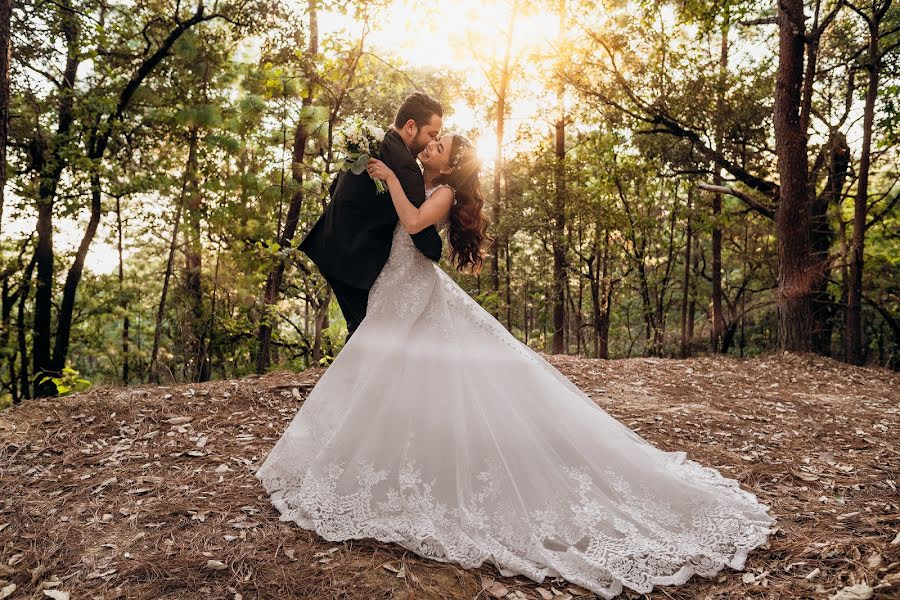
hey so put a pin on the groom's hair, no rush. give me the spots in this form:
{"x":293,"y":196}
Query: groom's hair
{"x":419,"y":107}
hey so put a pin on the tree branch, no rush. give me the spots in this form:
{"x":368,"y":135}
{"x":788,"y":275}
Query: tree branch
{"x":763,"y":209}
{"x":761,"y":21}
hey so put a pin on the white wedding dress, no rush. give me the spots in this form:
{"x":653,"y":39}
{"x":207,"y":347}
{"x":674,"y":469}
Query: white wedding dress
{"x":436,"y":429}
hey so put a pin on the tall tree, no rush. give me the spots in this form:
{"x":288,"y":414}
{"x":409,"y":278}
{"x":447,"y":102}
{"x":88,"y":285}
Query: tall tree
{"x":188,"y":183}
{"x":5,"y":57}
{"x":298,"y":159}
{"x":558,"y":245}
{"x":795,"y":310}
{"x":502,"y":91}
{"x":718,"y":321}
{"x":873,"y":20}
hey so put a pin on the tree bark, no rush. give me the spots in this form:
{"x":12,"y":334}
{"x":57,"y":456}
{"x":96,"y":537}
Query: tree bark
{"x":823,"y":236}
{"x":25,"y":390}
{"x":854,"y":337}
{"x":321,"y":323}
{"x":692,"y":305}
{"x":795,"y":264}
{"x":126,"y":322}
{"x":509,"y":323}
{"x":686,"y":285}
{"x":208,"y":348}
{"x":718,"y":321}
{"x":559,"y":215}
{"x":7,"y":300}
{"x":193,"y":283}
{"x":605,"y":307}
{"x":5,"y":57}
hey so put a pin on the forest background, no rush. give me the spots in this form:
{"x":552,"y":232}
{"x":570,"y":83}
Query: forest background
{"x":663,"y":179}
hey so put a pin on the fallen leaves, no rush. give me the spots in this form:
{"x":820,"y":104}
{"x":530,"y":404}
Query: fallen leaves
{"x":215,"y":565}
{"x":494,"y":589}
{"x":860,"y":591}
{"x":105,"y":484}
{"x":179,"y":471}
{"x":101,"y":574}
{"x":399,"y":572}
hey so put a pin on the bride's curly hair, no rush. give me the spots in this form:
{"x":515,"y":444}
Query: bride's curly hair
{"x":467,"y":223}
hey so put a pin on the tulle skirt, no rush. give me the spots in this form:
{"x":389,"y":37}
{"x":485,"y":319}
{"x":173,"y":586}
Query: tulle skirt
{"x":437,"y":430}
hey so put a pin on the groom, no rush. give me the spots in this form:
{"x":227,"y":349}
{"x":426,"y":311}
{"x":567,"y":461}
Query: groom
{"x":351,"y":241}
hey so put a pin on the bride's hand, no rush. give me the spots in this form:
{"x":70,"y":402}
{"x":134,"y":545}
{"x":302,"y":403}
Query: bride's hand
{"x":379,"y":170}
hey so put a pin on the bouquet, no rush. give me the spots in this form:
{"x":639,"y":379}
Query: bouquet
{"x":358,"y":141}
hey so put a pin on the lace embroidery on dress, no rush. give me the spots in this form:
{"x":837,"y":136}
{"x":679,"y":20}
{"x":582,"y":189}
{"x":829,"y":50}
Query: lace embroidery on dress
{"x":639,"y":542}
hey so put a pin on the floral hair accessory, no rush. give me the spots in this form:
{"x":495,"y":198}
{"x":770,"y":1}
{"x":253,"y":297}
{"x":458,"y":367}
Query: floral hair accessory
{"x":464,"y":144}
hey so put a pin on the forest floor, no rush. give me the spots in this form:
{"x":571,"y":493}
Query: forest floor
{"x":148,"y":492}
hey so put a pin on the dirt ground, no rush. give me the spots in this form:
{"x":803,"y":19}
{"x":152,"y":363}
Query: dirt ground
{"x":148,"y":492}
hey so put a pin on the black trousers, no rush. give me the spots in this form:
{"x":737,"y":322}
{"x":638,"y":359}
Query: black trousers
{"x":352,"y":301}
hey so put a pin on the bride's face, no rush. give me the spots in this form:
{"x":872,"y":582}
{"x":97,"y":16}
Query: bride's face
{"x":436,"y":155}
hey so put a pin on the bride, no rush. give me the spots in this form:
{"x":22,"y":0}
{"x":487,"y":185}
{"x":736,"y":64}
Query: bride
{"x":437,"y":430}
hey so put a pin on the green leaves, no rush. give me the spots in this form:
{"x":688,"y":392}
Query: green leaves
{"x":314,"y":121}
{"x":69,"y":382}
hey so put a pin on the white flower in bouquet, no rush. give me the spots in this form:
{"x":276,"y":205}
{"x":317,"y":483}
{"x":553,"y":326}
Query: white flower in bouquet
{"x":358,"y":141}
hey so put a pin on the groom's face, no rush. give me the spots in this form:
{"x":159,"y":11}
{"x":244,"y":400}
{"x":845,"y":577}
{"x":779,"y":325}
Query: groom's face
{"x":425,"y":134}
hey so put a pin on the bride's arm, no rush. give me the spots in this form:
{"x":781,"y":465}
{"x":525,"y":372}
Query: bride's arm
{"x":413,"y":219}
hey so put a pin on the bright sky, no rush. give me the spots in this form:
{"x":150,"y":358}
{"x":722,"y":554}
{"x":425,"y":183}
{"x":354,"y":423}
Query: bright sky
{"x":465,"y":35}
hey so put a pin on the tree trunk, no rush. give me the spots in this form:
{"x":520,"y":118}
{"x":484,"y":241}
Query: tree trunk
{"x":502,"y":87}
{"x":823,"y":235}
{"x":692,"y":305}
{"x":686,"y":285}
{"x":126,"y":323}
{"x":43,"y":295}
{"x":24,"y":379}
{"x":276,"y":275}
{"x":594,"y":266}
{"x":321,"y":323}
{"x":559,"y":215}
{"x":509,"y":323}
{"x":5,"y":57}
{"x":161,"y":310}
{"x":605,"y":298}
{"x":845,"y":285}
{"x":525,"y":322}
{"x":718,"y":320}
{"x":7,"y":300}
{"x":73,"y":278}
{"x":207,"y":348}
{"x":193,"y":282}
{"x":854,"y":338}
{"x":795,"y":265}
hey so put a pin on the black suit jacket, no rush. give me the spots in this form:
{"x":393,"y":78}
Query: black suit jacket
{"x":351,"y":241}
